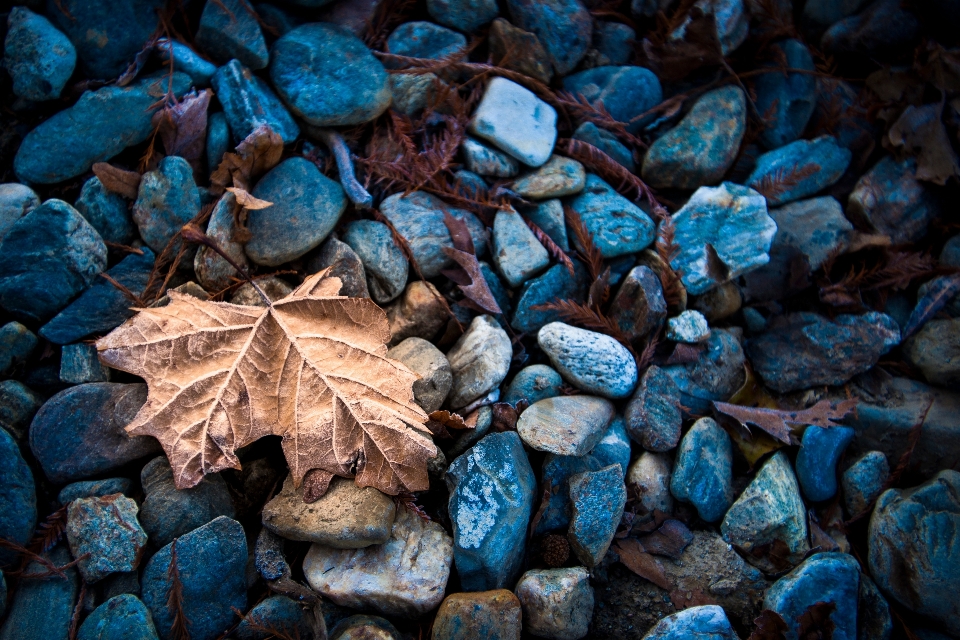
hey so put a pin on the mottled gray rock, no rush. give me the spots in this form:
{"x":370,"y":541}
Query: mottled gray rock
{"x":519,"y":50}
{"x":557,"y":603}
{"x":423,"y":358}
{"x":704,"y":470}
{"x":18,"y":404}
{"x":486,"y":161}
{"x":168,"y":199}
{"x":559,"y":177}
{"x":479,"y":361}
{"x":715,"y":375}
{"x":249,"y":103}
{"x":565,"y":425}
{"x":16,"y":201}
{"x":533,"y":383}
{"x":591,"y":361}
{"x":889,"y":199}
{"x":492,"y":614}
{"x":343,"y":263}
{"x":213,"y":271}
{"x":564,"y":27}
{"x":614,"y":446}
{"x":650,"y":474}
{"x":16,"y":344}
{"x":653,"y":417}
{"x":934,"y":350}
{"x":383,"y":261}
{"x":517,"y":121}
{"x":812,"y":165}
{"x":94,"y":489}
{"x":38,"y":57}
{"x":43,"y":607}
{"x":517,"y":253}
{"x":106,"y":211}
{"x":105,"y":530}
{"x":597,"y":499}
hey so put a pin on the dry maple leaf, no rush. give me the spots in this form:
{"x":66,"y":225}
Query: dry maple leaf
{"x":255,"y":155}
{"x":311,"y":368}
{"x":774,"y":421}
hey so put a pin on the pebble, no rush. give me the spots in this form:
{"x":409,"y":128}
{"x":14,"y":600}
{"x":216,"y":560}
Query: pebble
{"x":283,"y":614}
{"x":38,"y":57}
{"x":212,"y":270}
{"x":364,"y":627}
{"x":606,"y":142}
{"x":827,"y":12}
{"x":421,"y":39}
{"x":533,"y":383}
{"x":883,"y":30}
{"x":810,"y":165}
{"x":218,"y":138}
{"x":211,"y":562}
{"x":769,"y":509}
{"x":463,"y":15}
{"x":873,"y":612}
{"x":701,"y":148}
{"x":653,"y":417}
{"x":564,"y":27}
{"x":493,"y":615}
{"x":933,"y":350}
{"x":343,"y":263}
{"x":597,"y":499}
{"x":107,"y":531}
{"x":888,"y":199}
{"x":306,"y":207}
{"x":638,"y":307}
{"x":492,"y":490}
{"x":590,"y":361}
{"x":914,"y":546}
{"x":614,"y":42}
{"x":706,"y":621}
{"x":559,"y":177}
{"x":816,"y":464}
{"x":803,"y":350}
{"x":16,"y":201}
{"x":79,"y":363}
{"x":723,"y":232}
{"x":42,"y":608}
{"x":18,"y":497}
{"x":94,"y":489}
{"x":168,"y":199}
{"x":16,"y":344}
{"x":97,"y":127}
{"x":556,"y":283}
{"x":824,"y":577}
{"x":555,"y":475}
{"x":786,"y":100}
{"x":519,"y":50}
{"x":616,"y":225}
{"x":650,"y":476}
{"x":479,"y":361}
{"x":106,"y":211}
{"x":614,"y":446}
{"x":565,"y":425}
{"x":703,"y":470}
{"x":625,"y":92}
{"x":690,"y":327}
{"x":384,"y":263}
{"x":725,"y":300}
{"x":229,"y":29}
{"x":486,"y":161}
{"x":79,"y":432}
{"x":424,"y":359}
{"x":517,"y":253}
{"x":412,"y":92}
{"x":419,"y":313}
{"x":18,"y":405}
{"x":548,"y":216}
{"x":517,"y":121}
{"x":248,"y":102}
{"x":556,"y":603}
{"x":418,"y":218}
{"x":715,"y":375}
{"x":328,"y":77}
{"x":863,"y":482}
{"x":122,"y":617}
{"x":345,"y":517}
{"x":187,"y":61}
{"x":405,"y":577}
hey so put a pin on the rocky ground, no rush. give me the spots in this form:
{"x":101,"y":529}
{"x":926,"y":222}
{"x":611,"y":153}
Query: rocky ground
{"x":679,"y":280}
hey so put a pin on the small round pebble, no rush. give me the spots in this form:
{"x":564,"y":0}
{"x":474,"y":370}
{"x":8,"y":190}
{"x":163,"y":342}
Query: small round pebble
{"x":591,"y":361}
{"x":690,"y":327}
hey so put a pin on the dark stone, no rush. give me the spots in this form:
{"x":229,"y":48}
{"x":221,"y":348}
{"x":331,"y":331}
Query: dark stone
{"x":824,"y":577}
{"x":639,"y":307}
{"x":364,"y":627}
{"x":813,"y":164}
{"x":565,"y":28}
{"x":16,"y":344}
{"x":345,"y":264}
{"x":888,"y":199}
{"x":229,"y":29}
{"x":38,"y":57}
{"x":18,"y":404}
{"x":883,"y":30}
{"x":18,"y":498}
{"x":122,"y":617}
{"x":463,"y":15}
{"x":786,"y":100}
{"x":425,"y":40}
{"x":626,"y":92}
{"x":715,"y":375}
{"x":614,"y":41}
{"x":653,"y":417}
{"x":106,"y":211}
{"x":249,"y":102}
{"x":218,"y":139}
{"x":556,"y":474}
{"x":284,"y":615}
{"x":556,"y":284}
{"x":168,"y":199}
{"x":186,"y":61}
{"x":874,"y":621}
{"x":820,"y":450}
{"x":519,"y":50}
{"x":94,"y":489}
{"x":43,"y":607}
{"x":606,"y":142}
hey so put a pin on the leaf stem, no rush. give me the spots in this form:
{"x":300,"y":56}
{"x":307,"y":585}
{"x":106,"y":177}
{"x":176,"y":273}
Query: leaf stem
{"x":341,"y":153}
{"x":192,"y":233}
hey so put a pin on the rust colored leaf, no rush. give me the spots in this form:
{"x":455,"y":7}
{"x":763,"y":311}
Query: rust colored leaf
{"x":774,"y":421}
{"x":769,"y":625}
{"x":247,"y":201}
{"x":311,"y":368}
{"x":255,"y":155}
{"x":315,"y":484}
{"x":504,"y":417}
{"x":126,"y":183}
{"x":634,"y":557}
{"x":450,"y":420}
{"x":920,"y":132}
{"x":471,"y":281}
{"x":459,"y":233}
{"x":183,"y":126}
{"x":939,"y":292}
{"x":815,"y":622}
{"x":669,"y":540}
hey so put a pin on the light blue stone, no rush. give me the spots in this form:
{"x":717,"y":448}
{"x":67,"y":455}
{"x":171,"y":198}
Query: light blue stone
{"x":533,"y":383}
{"x":626,"y":92}
{"x":517,"y":253}
{"x":864,"y":481}
{"x":816,"y":164}
{"x":820,"y":450}
{"x":229,"y":29}
{"x":383,"y":261}
{"x":106,"y":211}
{"x":422,"y":39}
{"x":786,"y":100}
{"x":122,"y":617}
{"x":555,"y":475}
{"x":557,"y":283}
{"x":716,"y":374}
{"x":486,"y":161}
{"x":597,"y":499}
{"x":515,"y":120}
{"x":616,"y":225}
{"x":463,"y":15}
{"x":16,"y":201}
{"x":704,"y":470}
{"x":591,"y":361}
{"x":614,"y":446}
{"x":707,"y":622}
{"x":38,"y":57}
{"x":249,"y":102}
{"x":94,"y":489}
{"x":187,"y":61}
{"x":824,"y":577}
{"x":168,"y":199}
{"x":43,"y":607}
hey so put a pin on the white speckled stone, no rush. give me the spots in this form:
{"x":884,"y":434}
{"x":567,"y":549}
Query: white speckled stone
{"x":556,"y":603}
{"x":690,"y":326}
{"x":516,"y":121}
{"x":485,"y":161}
{"x":591,"y":361}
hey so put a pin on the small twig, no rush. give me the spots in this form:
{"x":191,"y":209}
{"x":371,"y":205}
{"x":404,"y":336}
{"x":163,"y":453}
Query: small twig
{"x":192,"y":233}
{"x":341,"y":153}
{"x":75,"y":618}
{"x":179,"y":629}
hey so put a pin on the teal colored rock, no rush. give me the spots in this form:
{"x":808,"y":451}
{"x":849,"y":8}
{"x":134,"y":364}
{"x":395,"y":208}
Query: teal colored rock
{"x":492,"y":490}
{"x":820,"y":450}
{"x":122,"y":617}
{"x":281,"y":613}
{"x":425,"y":40}
{"x":486,"y":161}
{"x":614,"y":41}
{"x":565,"y":425}
{"x":249,"y":102}
{"x":517,"y":253}
{"x":707,"y":622}
{"x":813,"y":166}
{"x":515,"y":120}
{"x":616,"y":225}
{"x":43,"y":607}
{"x":106,"y":211}
{"x":733,"y":222}
{"x":863,"y":482}
{"x":915,"y":547}
{"x":824,"y":577}
{"x":100,"y":125}
{"x":328,"y":77}
{"x":715,"y":375}
{"x":606,"y":142}
{"x":16,"y":201}
{"x":557,"y":283}
{"x":94,"y":489}
{"x":46,"y":258}
{"x":16,"y":344}
{"x":889,"y":199}
{"x":564,"y":27}
{"x":597,"y":499}
{"x":534,"y":383}
{"x":626,"y":92}
{"x":211,"y":562}
{"x":228,"y":30}
{"x":548,"y":216}
{"x":639,"y":306}
{"x":873,"y":612}
{"x":105,"y":533}
{"x":383,"y":261}
{"x":786,"y":100}
{"x":591,"y":361}
{"x":498,"y":290}
{"x":279,"y":19}
{"x":79,"y":363}
{"x":101,"y":307}
{"x":306,"y":207}
{"x":614,"y":446}
{"x":418,"y":217}
{"x":18,"y":498}
{"x":653,"y":417}
{"x":18,"y":404}
{"x":700,"y":149}
{"x":168,"y":199}
{"x":885,"y":30}
{"x":218,"y":139}
{"x":187,"y":61}
{"x":704,"y":470}
{"x":463,"y":15}
{"x":38,"y":57}
{"x":556,"y":474}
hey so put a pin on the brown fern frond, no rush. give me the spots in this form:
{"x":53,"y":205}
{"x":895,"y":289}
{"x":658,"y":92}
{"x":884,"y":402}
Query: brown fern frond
{"x":27,"y":556}
{"x":49,"y":532}
{"x":649,"y":352}
{"x":552,"y":248}
{"x":668,"y":249}
{"x":588,"y":318}
{"x":77,"y":608}
{"x":784,"y":179}
{"x":590,"y":253}
{"x":583,"y":110}
{"x":179,"y":629}
{"x":386,"y":17}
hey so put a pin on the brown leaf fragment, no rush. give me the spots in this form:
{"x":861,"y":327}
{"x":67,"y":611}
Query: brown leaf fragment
{"x":634,"y":557}
{"x":815,"y":622}
{"x":459,"y":233}
{"x":774,"y":421}
{"x":247,"y":201}
{"x":126,"y":183}
{"x":183,"y":126}
{"x":769,"y":625}
{"x":450,"y":420}
{"x":471,"y":281}
{"x":315,"y":484}
{"x":311,"y":368}
{"x":920,"y":132}
{"x":819,"y":539}
{"x":669,"y":540}
{"x":504,"y":417}
{"x":255,"y":155}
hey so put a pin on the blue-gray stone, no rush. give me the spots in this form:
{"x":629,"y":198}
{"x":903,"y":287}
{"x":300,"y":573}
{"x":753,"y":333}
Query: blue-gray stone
{"x":383,"y":261}
{"x":556,"y":284}
{"x":38,"y":57}
{"x":591,"y":361}
{"x":565,"y":425}
{"x":626,"y":92}
{"x":16,"y":344}
{"x":701,"y":148}
{"x":517,"y":253}
{"x":16,"y":201}
{"x":18,"y":497}
{"x":79,"y":432}
{"x":328,"y":77}
{"x":278,"y":19}
{"x":616,"y":225}
{"x":639,"y":306}
{"x":487,"y":161}
{"x":418,"y":217}
{"x":94,"y":489}
{"x":884,"y":30}
{"x":279,"y":613}
{"x":555,"y":475}
{"x":820,"y":450}
{"x":187,"y":61}
{"x":168,"y":512}
{"x":914,"y":542}
{"x":565,"y":28}
{"x":597,"y":499}
{"x":343,"y":263}
{"x":874,"y":621}
{"x":492,"y":490}
{"x":104,"y":536}
{"x":815,"y":164}
{"x":689,"y":327}
{"x":122,"y":617}
{"x":803,"y":350}
{"x":249,"y":102}
{"x":102,"y":307}
{"x":855,"y":130}
{"x":614,"y":446}
{"x":306,"y":207}
{"x":48,"y":257}
{"x":42,"y":608}
{"x":106,"y":211}
{"x":615,"y":42}
{"x":229,"y":29}
{"x":218,"y":139}
{"x":824,"y":577}
{"x":653,"y":417}
{"x":704,"y":470}
{"x":211,"y":562}
{"x":786,"y":100}
{"x":716,"y":374}
{"x":107,"y":34}
{"x":889,"y":199}
{"x":606,"y":142}
{"x":168,"y":198}
{"x":100,"y":125}
{"x":18,"y":404}
{"x":425,"y":40}
{"x":470,"y":183}
{"x":533,"y":383}
{"x":79,"y":363}
{"x":707,"y":622}
{"x":517,"y":121}
{"x":548,"y":216}
{"x":863,"y":482}
{"x":463,"y":15}
{"x":499,"y":292}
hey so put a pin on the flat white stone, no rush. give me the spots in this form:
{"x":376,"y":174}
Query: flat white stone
{"x":517,"y":121}
{"x":690,"y":326}
{"x":516,"y":251}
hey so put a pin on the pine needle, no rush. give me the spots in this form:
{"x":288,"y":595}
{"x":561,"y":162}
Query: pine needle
{"x":179,"y":629}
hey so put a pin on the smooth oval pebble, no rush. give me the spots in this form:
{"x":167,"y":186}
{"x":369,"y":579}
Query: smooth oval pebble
{"x":565,"y":425}
{"x":591,"y":361}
